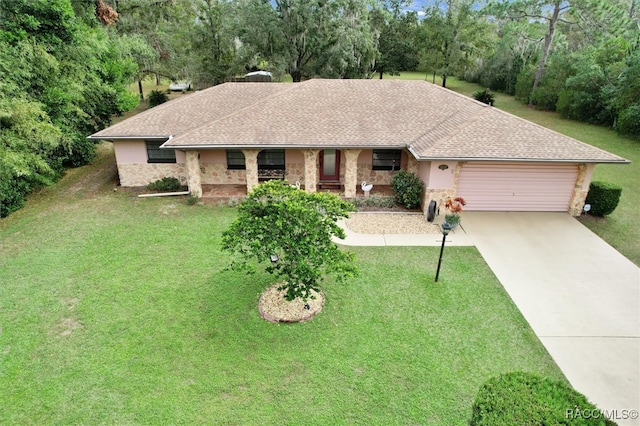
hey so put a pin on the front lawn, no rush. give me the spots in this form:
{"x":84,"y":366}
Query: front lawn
{"x":116,"y":310}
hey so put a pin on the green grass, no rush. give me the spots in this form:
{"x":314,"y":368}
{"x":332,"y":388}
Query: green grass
{"x":116,"y":310}
{"x":619,"y":229}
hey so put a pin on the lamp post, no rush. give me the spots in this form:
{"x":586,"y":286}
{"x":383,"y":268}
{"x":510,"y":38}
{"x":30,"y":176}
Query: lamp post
{"x":445,"y":231}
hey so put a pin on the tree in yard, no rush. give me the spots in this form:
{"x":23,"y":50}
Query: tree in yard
{"x":290,"y":231}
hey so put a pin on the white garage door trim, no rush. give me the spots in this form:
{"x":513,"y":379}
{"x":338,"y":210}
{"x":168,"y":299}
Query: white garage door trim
{"x":517,"y":186}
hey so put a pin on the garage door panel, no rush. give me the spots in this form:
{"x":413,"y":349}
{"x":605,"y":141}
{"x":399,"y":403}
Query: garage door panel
{"x":517,"y":187}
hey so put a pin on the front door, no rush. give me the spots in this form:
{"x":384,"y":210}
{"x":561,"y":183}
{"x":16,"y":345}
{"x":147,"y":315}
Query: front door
{"x":330,"y":165}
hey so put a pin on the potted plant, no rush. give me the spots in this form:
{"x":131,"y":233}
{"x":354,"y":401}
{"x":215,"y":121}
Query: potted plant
{"x":454,"y":208}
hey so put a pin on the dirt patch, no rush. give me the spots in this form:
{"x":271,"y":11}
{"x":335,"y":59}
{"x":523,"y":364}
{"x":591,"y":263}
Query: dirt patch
{"x":275,"y":308}
{"x":67,"y":326}
{"x":94,"y":179}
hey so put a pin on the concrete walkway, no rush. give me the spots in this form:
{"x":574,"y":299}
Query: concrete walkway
{"x":580,"y":296}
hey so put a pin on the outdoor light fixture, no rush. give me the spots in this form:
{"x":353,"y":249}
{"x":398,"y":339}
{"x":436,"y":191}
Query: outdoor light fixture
{"x":443,"y":167}
{"x":446,"y":228}
{"x":274,"y":258}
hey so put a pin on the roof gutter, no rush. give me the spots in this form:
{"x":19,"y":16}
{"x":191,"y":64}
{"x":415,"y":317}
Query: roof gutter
{"x":271,"y":146}
{"x":526,"y":160}
{"x":133,"y":137}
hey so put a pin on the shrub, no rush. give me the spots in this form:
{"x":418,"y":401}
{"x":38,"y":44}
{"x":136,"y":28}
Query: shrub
{"x":628,"y":122}
{"x":603,"y":197}
{"x":192,"y":200}
{"x":520,"y":398}
{"x":13,"y":191}
{"x":408,"y":188}
{"x":374,"y":201}
{"x":166,"y":184}
{"x":156,"y":98}
{"x":484,"y":96}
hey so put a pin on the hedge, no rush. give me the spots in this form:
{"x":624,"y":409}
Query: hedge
{"x":520,"y":398}
{"x":603,"y":198}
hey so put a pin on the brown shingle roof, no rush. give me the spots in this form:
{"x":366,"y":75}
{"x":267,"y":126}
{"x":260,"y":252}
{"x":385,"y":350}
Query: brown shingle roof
{"x":179,"y":116}
{"x":433,"y":122}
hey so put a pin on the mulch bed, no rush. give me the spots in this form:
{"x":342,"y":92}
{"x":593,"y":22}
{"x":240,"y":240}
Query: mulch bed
{"x":275,"y":308}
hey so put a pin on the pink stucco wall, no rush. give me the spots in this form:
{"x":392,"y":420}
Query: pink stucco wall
{"x":440,"y":179}
{"x":135,"y":152}
{"x":588,"y":176}
{"x":130,"y":152}
{"x":424,"y":172}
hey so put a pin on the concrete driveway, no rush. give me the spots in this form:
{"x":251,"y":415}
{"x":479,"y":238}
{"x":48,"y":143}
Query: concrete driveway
{"x":580,"y":296}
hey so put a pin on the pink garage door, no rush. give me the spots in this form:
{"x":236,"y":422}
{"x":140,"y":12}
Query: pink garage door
{"x":517,"y":186}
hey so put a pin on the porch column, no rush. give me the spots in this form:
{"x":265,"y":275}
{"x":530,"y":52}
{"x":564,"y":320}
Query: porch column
{"x":193,"y":173}
{"x":310,"y":169}
{"x":351,"y":172}
{"x":251,"y":165}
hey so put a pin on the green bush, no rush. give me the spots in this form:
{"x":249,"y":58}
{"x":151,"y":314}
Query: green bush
{"x":166,"y":184}
{"x":484,"y":96}
{"x":628,"y":122}
{"x":13,"y":191}
{"x":520,"y":398}
{"x":192,"y":199}
{"x":408,"y":188}
{"x":156,"y":98}
{"x":374,"y":201}
{"x":603,"y":198}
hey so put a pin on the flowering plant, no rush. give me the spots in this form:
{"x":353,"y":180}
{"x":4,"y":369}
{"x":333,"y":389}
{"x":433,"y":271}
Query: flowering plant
{"x":454,"y":208}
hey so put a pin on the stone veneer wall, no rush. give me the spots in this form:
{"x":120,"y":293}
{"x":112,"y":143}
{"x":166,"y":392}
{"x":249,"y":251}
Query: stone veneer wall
{"x":217,"y":174}
{"x":439,"y":195}
{"x":579,"y":194}
{"x":144,"y":174}
{"x":376,"y":177}
{"x":294,"y":172}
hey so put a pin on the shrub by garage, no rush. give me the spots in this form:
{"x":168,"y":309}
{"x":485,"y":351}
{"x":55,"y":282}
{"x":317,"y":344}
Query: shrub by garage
{"x":408,"y":188}
{"x":603,"y":198}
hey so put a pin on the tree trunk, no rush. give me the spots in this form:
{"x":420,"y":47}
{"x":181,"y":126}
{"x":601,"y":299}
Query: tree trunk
{"x":296,"y":75}
{"x":157,"y":79}
{"x":140,"y":88}
{"x":444,"y":80}
{"x":546,"y":48}
{"x":381,"y":72}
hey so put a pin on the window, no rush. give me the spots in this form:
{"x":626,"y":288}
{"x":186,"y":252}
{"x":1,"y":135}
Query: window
{"x":271,"y":159}
{"x":235,"y":160}
{"x":386,"y":159}
{"x":157,"y":155}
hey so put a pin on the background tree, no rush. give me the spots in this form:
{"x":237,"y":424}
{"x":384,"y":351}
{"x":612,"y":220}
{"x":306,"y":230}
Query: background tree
{"x":297,"y":227}
{"x":453,"y":36}
{"x":65,"y":76}
{"x":397,"y":33}
{"x":326,"y":38}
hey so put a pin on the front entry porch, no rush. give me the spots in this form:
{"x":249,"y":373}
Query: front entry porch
{"x":224,"y":193}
